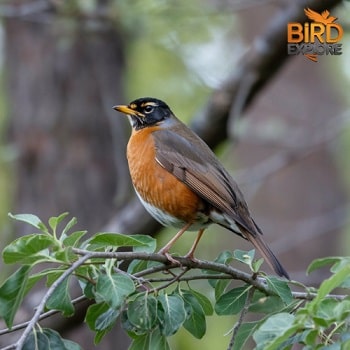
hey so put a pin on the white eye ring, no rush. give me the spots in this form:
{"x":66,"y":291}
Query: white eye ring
{"x":149,"y":109}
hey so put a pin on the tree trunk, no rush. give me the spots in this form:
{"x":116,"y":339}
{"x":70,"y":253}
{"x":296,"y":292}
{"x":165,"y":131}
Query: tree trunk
{"x":63,"y":77}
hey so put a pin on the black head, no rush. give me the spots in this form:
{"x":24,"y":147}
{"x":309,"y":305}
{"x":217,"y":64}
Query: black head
{"x":145,"y":111}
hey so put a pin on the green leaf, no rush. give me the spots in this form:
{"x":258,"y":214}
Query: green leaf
{"x":105,"y":323}
{"x":342,"y":310}
{"x":328,"y":285}
{"x":244,"y":256}
{"x":137,"y":266}
{"x":105,"y":239}
{"x":311,"y":337}
{"x":280,"y":287}
{"x":204,"y":302}
{"x":263,"y":303}
{"x":150,"y":341}
{"x":245,"y":331}
{"x":101,"y":319}
{"x":55,"y":221}
{"x":64,"y":255}
{"x":48,"y":339}
{"x":31,"y":220}
{"x":338,"y":266}
{"x":73,"y":239}
{"x":195,"y":322}
{"x":150,"y":244}
{"x":93,"y":312}
{"x":12,"y":292}
{"x":225,"y":258}
{"x":53,"y":274}
{"x":127,"y":325}
{"x":61,"y":300}
{"x":70,"y":345}
{"x":325,"y":314}
{"x":106,"y":320}
{"x":345,"y":345}
{"x":232,"y":302}
{"x":88,"y":288}
{"x":174,"y":313}
{"x":113,"y":289}
{"x":319,"y":263}
{"x":38,"y":341}
{"x":220,"y":287}
{"x":257,"y":264}
{"x":32,"y":280}
{"x":300,"y":337}
{"x":72,"y":222}
{"x":142,"y":312}
{"x":28,"y":249}
{"x":274,"y":331}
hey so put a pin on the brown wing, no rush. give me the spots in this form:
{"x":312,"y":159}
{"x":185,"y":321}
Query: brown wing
{"x":190,"y":160}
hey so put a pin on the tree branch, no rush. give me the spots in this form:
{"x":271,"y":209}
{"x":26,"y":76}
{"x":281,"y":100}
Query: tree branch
{"x":258,"y":283}
{"x":241,"y":317}
{"x":230,"y":272}
{"x":42,"y":317}
{"x":223,"y":271}
{"x":257,"y":67}
{"x":19,"y":344}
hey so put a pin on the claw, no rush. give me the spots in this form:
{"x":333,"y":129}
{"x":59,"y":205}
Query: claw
{"x":191,"y":257}
{"x":171,"y":259}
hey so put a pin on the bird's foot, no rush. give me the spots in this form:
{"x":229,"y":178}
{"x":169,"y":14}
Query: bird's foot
{"x":190,"y":256}
{"x":172,"y":260}
{"x":169,"y":257}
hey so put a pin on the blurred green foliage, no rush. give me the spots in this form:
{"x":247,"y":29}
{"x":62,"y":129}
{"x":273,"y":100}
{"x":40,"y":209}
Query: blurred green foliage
{"x":176,"y":51}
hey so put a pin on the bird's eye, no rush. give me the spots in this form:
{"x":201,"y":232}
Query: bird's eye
{"x":148,"y":109}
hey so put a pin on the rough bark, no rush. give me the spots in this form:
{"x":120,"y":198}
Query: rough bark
{"x":63,"y":77}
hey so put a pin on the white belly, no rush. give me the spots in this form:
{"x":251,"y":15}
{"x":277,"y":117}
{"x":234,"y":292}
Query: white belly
{"x":169,"y":220}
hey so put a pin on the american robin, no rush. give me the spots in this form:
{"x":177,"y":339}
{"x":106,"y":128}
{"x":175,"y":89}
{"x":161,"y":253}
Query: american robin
{"x":181,"y":182}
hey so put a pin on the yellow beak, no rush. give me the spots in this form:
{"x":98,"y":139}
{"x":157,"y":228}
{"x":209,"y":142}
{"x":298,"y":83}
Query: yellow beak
{"x":125,"y":109}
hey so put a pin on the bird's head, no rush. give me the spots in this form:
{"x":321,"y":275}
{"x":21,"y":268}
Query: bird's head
{"x":144,"y":112}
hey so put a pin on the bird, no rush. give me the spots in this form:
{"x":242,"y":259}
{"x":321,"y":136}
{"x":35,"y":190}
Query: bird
{"x":181,"y":182}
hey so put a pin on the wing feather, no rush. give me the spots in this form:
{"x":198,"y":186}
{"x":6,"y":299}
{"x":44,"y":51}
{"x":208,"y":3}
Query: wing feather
{"x":203,"y":173}
{"x":189,"y":159}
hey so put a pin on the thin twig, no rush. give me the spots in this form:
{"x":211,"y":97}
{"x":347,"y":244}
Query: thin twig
{"x":176,"y":278}
{"x":241,"y":317}
{"x":192,"y":278}
{"x":42,"y":317}
{"x":258,"y":283}
{"x":41,"y":306}
{"x":310,"y":296}
{"x":153,"y":270}
{"x":139,"y":280}
{"x":228,"y":272}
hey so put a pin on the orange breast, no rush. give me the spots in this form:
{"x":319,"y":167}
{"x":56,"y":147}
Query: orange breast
{"x":155,"y":184}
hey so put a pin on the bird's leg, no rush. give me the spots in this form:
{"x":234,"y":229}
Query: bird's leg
{"x":166,"y":248}
{"x":190,"y":254}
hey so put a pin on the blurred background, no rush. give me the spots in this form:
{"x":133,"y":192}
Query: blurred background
{"x":65,"y":63}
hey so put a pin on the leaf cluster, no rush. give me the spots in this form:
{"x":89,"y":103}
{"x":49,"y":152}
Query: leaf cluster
{"x":152,"y":306}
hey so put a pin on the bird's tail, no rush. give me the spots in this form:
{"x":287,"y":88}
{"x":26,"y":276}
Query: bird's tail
{"x":266,"y":252}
